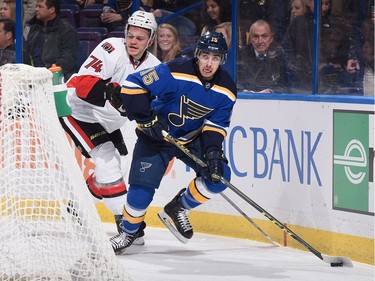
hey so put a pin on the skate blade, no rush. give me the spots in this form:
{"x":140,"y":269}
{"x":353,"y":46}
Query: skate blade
{"x":138,"y":242}
{"x":166,"y":220}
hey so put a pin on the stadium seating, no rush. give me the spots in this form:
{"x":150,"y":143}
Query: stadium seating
{"x":90,"y":17}
{"x":84,"y":51}
{"x":69,"y":16}
{"x":101,"y":30}
{"x":117,"y":33}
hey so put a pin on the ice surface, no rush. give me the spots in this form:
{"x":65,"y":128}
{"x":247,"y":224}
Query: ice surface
{"x":216,"y":258}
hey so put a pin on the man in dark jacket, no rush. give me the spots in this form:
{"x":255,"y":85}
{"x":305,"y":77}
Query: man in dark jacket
{"x":261,"y":66}
{"x":52,"y":40}
{"x":7,"y":45}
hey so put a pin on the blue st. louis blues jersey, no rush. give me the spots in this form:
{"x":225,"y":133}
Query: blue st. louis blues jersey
{"x":188,"y":104}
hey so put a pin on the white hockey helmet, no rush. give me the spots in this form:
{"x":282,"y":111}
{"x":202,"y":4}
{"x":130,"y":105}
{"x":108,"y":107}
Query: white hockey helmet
{"x":143,"y":19}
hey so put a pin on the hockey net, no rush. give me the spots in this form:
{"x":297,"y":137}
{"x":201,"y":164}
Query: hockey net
{"x":49,"y":226}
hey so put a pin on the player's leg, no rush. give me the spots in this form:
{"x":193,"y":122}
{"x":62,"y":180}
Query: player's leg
{"x":106,"y":183}
{"x":148,"y":167}
{"x":199,"y":191}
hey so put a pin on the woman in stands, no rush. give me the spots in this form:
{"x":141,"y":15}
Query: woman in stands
{"x":215,"y":12}
{"x":167,"y":42}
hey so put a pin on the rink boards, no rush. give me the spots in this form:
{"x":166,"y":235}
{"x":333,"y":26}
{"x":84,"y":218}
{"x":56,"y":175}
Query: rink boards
{"x":307,"y":161}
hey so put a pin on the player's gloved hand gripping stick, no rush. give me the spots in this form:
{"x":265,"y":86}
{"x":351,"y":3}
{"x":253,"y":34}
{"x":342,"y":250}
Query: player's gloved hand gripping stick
{"x":153,"y":126}
{"x":332,"y":260}
{"x":112,"y":94}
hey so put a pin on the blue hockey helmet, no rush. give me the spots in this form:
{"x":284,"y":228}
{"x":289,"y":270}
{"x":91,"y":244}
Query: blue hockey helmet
{"x":212,"y":42}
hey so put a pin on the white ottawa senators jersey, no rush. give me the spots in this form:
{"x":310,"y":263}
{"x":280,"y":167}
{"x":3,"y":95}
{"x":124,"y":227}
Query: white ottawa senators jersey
{"x":108,"y":62}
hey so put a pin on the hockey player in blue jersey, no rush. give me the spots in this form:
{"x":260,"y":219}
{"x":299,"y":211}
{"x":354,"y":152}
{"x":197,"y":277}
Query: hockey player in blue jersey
{"x":192,"y":100}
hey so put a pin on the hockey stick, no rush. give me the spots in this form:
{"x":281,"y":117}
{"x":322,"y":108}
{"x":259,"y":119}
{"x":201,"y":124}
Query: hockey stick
{"x":203,"y":164}
{"x":249,"y":219}
{"x":332,"y":260}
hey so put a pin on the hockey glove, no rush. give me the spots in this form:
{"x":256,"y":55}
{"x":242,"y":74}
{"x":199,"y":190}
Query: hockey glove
{"x":153,"y":126}
{"x":215,"y":165}
{"x":112,"y":94}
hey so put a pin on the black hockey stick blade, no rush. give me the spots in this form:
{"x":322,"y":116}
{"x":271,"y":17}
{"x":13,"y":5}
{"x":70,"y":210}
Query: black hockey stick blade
{"x":337,"y":261}
{"x":332,"y":260}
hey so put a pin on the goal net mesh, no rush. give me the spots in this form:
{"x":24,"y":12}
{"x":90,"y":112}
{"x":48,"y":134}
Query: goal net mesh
{"x":49,"y":226}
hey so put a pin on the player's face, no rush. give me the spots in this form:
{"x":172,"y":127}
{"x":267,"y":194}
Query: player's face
{"x":137,"y":41}
{"x":208,"y":64}
{"x":261,"y":37}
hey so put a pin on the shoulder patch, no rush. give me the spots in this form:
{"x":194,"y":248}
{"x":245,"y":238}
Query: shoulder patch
{"x":108,"y":47}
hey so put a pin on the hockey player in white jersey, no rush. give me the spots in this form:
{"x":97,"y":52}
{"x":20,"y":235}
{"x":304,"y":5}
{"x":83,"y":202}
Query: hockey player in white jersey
{"x":96,"y":118}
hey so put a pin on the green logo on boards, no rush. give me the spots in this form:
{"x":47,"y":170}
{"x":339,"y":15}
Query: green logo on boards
{"x":353,"y":158}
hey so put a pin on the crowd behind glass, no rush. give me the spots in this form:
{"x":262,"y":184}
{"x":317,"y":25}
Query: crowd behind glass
{"x":276,"y":44}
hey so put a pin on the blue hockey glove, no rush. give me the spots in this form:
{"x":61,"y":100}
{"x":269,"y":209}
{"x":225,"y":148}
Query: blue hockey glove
{"x":112,"y":94}
{"x":153,"y":126}
{"x":215,"y":165}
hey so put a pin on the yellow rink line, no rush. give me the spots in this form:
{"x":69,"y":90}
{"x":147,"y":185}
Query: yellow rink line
{"x":331,"y":243}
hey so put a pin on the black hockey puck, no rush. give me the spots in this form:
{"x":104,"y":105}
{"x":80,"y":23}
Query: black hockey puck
{"x":336,"y":264}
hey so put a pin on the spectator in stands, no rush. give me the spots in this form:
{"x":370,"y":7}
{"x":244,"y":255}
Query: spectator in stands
{"x":261,"y":66}
{"x":8,"y":11}
{"x":276,"y":13}
{"x":7,"y":44}
{"x":214,"y":13}
{"x":360,"y":63}
{"x":298,"y":46}
{"x":297,"y":8}
{"x":167,"y":42}
{"x":28,"y":10}
{"x":52,"y":40}
{"x":115,"y":18}
{"x":368,"y":54}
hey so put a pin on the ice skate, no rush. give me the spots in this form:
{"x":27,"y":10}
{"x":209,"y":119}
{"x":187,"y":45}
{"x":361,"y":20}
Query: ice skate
{"x":122,"y":241}
{"x":176,"y":213}
{"x":139,"y":241}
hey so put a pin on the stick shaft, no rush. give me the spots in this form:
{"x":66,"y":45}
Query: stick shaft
{"x":248,"y":219}
{"x":328,"y":259}
{"x":203,"y":164}
{"x":245,"y":198}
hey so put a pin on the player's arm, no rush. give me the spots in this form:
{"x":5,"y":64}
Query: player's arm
{"x":142,"y":87}
{"x":215,"y":128}
{"x":213,"y":135}
{"x":137,"y":93}
{"x":91,"y":82}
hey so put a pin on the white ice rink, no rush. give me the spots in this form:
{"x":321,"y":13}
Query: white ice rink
{"x":216,"y":258}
